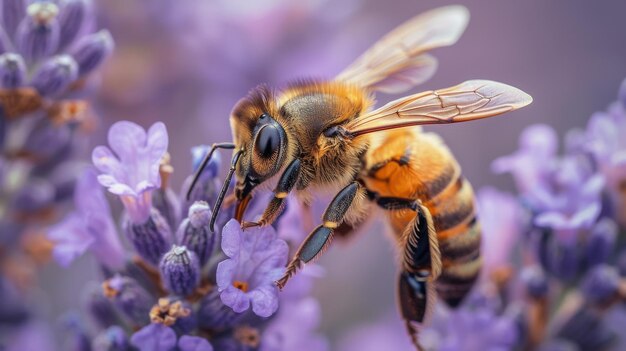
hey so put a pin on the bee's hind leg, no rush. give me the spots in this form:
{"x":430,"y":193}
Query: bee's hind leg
{"x":421,"y":263}
{"x":287,"y":181}
{"x":319,"y":239}
{"x":416,"y":297}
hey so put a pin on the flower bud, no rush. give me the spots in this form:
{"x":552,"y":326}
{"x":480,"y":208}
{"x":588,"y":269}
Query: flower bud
{"x":601,"y":241}
{"x":13,"y":11}
{"x":601,"y":285}
{"x":197,"y":155}
{"x":586,"y":329}
{"x":112,"y":339}
{"x":74,"y":16}
{"x":180,"y":271}
{"x":535,"y":281}
{"x":92,"y":50}
{"x":47,"y":138}
{"x":214,"y":315}
{"x":35,"y":195}
{"x":38,"y":33}
{"x":100,"y":308}
{"x":55,"y":75}
{"x":195,"y":234}
{"x":129,"y":297}
{"x":12,"y":71}
{"x":150,"y":239}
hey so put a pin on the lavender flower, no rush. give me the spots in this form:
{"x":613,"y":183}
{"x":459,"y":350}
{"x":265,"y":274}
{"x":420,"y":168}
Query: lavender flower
{"x":92,"y":50}
{"x":179,"y":293}
{"x":194,"y":232}
{"x":89,"y":227}
{"x":12,"y":71}
{"x":180,"y":270}
{"x":130,"y":168}
{"x":130,"y":297}
{"x":44,"y":118}
{"x":256,"y":259}
{"x":157,"y":337}
{"x":151,"y":238}
{"x":55,"y":75}
{"x":154,"y":337}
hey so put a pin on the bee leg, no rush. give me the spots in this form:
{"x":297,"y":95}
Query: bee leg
{"x":416,"y":299}
{"x":320,"y":238}
{"x":421,"y":266}
{"x":287,"y":181}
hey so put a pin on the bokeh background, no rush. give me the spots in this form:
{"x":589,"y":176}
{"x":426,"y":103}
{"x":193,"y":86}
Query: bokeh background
{"x":187,"y":62}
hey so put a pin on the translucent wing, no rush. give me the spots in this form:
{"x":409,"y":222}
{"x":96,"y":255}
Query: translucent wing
{"x":474,"y":99}
{"x":398,"y":61}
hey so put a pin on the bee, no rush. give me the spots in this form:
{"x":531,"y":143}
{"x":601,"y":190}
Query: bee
{"x":320,"y":135}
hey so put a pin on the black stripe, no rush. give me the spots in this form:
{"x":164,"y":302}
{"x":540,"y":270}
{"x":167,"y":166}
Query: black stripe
{"x":449,"y":277}
{"x":463,"y":245}
{"x":438,"y":185}
{"x":453,"y":294}
{"x":450,"y":219}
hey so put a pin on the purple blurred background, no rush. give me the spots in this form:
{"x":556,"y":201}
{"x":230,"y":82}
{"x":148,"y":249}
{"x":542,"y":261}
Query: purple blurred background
{"x":187,"y":62}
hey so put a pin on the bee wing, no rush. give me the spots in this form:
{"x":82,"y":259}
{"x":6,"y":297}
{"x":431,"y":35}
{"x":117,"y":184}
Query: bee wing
{"x":474,"y":99}
{"x":398,"y":61}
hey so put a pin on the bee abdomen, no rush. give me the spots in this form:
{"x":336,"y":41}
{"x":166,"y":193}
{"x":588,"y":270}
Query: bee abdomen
{"x":458,"y":233}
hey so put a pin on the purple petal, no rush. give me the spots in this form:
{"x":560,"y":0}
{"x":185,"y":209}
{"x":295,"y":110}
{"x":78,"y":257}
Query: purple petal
{"x":71,"y":239}
{"x":231,"y":238}
{"x":157,"y":141}
{"x":264,"y":300}
{"x":585,"y":217}
{"x":126,"y":138}
{"x":114,"y":186}
{"x":235,"y":299}
{"x":154,"y":337}
{"x":555,"y":220}
{"x":107,"y":163}
{"x":193,"y":343}
{"x":225,"y":273}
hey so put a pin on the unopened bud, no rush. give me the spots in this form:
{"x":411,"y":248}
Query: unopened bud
{"x":92,"y":50}
{"x":180,"y":271}
{"x":55,"y":75}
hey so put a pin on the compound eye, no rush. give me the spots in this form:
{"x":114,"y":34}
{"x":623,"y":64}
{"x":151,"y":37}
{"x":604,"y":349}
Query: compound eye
{"x":267,"y":141}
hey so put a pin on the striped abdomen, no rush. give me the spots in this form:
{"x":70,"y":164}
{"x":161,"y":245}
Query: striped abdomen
{"x":458,"y":231}
{"x":413,"y":165}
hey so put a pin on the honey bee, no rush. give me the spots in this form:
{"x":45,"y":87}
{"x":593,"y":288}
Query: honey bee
{"x":325,"y":135}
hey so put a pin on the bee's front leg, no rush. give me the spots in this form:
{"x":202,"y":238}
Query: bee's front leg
{"x":287,"y":181}
{"x":315,"y":244}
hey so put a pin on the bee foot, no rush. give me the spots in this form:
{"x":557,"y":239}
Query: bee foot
{"x":246,"y":225}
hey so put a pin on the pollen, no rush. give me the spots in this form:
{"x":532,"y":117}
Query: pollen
{"x":243,"y":286}
{"x":167,"y":312}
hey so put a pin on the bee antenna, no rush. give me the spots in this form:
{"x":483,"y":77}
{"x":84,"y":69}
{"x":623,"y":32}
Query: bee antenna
{"x":220,"y":199}
{"x":205,"y":162}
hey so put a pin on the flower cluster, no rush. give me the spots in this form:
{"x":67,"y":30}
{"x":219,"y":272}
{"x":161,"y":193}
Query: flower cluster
{"x":554,"y":275}
{"x":48,"y":52}
{"x":181,"y":286}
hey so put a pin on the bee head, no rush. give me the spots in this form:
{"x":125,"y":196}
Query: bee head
{"x":258,"y":132}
